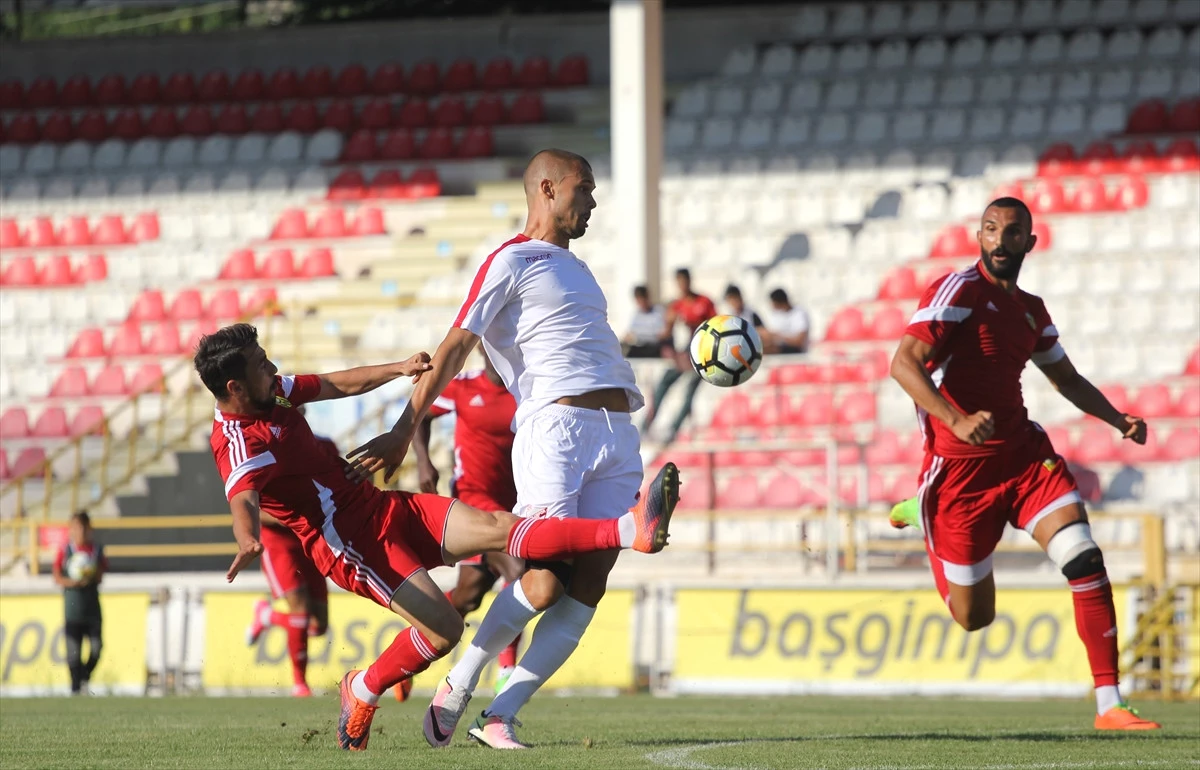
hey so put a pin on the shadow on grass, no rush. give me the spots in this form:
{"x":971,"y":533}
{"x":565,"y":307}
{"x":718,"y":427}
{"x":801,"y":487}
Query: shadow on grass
{"x":1022,"y":737}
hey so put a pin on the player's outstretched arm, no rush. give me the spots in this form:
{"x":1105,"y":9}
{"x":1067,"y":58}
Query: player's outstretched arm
{"x":427,"y":472}
{"x":245,"y":507}
{"x":908,"y":370}
{"x":1088,"y":399}
{"x":364,"y":379}
{"x":387,"y":451}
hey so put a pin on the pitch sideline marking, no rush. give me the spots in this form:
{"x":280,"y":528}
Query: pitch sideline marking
{"x":680,"y":758}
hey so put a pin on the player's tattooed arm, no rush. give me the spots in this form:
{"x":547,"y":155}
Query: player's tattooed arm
{"x":364,"y":379}
{"x":908,"y":370}
{"x":245,"y":509}
{"x":1088,"y":399}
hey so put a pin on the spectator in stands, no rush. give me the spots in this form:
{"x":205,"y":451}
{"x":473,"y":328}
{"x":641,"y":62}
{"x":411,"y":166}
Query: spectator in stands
{"x":787,"y":326}
{"x":737,"y":307}
{"x":78,"y":569}
{"x":645,"y":338}
{"x":690,"y":309}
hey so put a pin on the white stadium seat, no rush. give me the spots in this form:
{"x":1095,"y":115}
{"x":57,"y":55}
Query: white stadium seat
{"x":923,"y":17}
{"x":739,"y":62}
{"x":164,"y":186}
{"x":899,"y":168}
{"x":1017,"y":162}
{"x":201,"y":184}
{"x":129,"y":188}
{"x":1154,"y":82}
{"x":870,"y":127}
{"x":805,"y":96}
{"x":1151,"y":10}
{"x":891,"y":55}
{"x":886,"y":19}
{"x":1165,"y":42}
{"x":75,"y":157}
{"x":957,"y":90}
{"x":1114,"y":84}
{"x":145,"y":153}
{"x":909,"y":126}
{"x":930,"y":53}
{"x":250,"y":149}
{"x":778,"y":61}
{"x":968,"y":52}
{"x":1123,"y":45}
{"x":214,"y":151}
{"x":1035,"y":87}
{"x":1046,"y":48}
{"x":1065,"y":120}
{"x":881,"y":92}
{"x":822,"y":170}
{"x":1074,"y":13}
{"x":926,"y":203}
{"x":995,"y":88}
{"x":854,"y":57}
{"x":948,"y":125}
{"x":918,"y":91}
{"x":849,"y":20}
{"x":1086,"y":45}
{"x":961,"y":15}
{"x":1108,"y":118}
{"x":680,"y":134}
{"x":846,"y":206}
{"x":975,"y":161}
{"x":936,"y":166}
{"x":998,"y":15}
{"x":730,"y":100}
{"x":832,"y":129}
{"x":810,"y":23}
{"x":1037,"y":14}
{"x":312,"y":181}
{"x":40,"y":158}
{"x":754,"y":133}
{"x":272,"y":182}
{"x":235,"y":184}
{"x":1189,"y":82}
{"x":287,"y":148}
{"x":717,"y":133}
{"x":816,"y":59}
{"x":109,"y":155}
{"x":59,"y":190}
{"x":1074,"y":86}
{"x":94,"y":189}
{"x":325,"y":146}
{"x":766,"y":99}
{"x":180,"y":152}
{"x":1007,"y":51}
{"x":842,"y":95}
{"x":692,"y":102}
{"x":1185,"y":11}
{"x":10,"y":159}
{"x":793,"y":131}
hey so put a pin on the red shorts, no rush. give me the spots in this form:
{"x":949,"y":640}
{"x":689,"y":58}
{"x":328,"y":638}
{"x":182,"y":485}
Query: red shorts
{"x":404,"y":537}
{"x":287,"y":568}
{"x":483,"y":502}
{"x":966,"y":501}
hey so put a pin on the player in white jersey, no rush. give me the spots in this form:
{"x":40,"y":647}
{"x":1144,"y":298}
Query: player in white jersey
{"x":544,"y":324}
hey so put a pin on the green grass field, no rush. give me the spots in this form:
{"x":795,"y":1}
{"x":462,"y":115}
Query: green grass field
{"x":627,"y":732}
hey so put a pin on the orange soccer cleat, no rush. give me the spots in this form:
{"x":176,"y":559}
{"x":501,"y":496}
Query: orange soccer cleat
{"x":402,"y":690}
{"x":652,"y":514}
{"x":1124,"y":717}
{"x":354,"y":724}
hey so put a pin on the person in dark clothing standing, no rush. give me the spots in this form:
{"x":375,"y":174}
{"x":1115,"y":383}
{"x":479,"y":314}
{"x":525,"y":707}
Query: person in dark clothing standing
{"x":78,"y":568}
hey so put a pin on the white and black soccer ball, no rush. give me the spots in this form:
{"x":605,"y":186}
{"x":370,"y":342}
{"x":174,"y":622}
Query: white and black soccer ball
{"x":81,"y":565}
{"x":726,"y":351}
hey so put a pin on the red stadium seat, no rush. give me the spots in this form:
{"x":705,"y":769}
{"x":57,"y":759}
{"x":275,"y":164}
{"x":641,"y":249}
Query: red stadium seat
{"x":1185,"y":117}
{"x":110,"y":381}
{"x":856,"y":407}
{"x":75,"y":232}
{"x":1057,"y":160}
{"x":1089,"y":197}
{"x":127,"y":341}
{"x":424,"y":78}
{"x":42,"y":93}
{"x":145,"y":89}
{"x":774,"y":408}
{"x":58,"y":271}
{"x":1131,"y":453}
{"x":225,"y":305}
{"x":232,"y":120}
{"x":330,"y":223}
{"x":187,"y":306}
{"x":128,"y":125}
{"x":94,"y":268}
{"x":72,"y":382}
{"x":144,"y":228}
{"x":1095,"y":444}
{"x":213,"y":87}
{"x":58,"y":129}
{"x":180,"y":88}
{"x":1130,"y":193}
{"x":388,"y":185}
{"x":368,"y":222}
{"x":303,"y":118}
{"x":387,"y":79}
{"x":339,"y":116}
{"x":398,"y":145}
{"x":240,"y":266}
{"x":292,"y":225}
{"x":438,"y":144}
{"x":376,"y":115}
{"x":1193,"y":363}
{"x":14,"y":423}
{"x":497,"y":75}
{"x":148,"y":379}
{"x":488,"y":110}
{"x":349,"y":185}
{"x":477,"y":142}
{"x":88,"y":421}
{"x":359,"y":148}
{"x":12,"y":94}
{"x":885,"y":449}
{"x":1044,"y":235}
{"x":351,"y":81}
{"x":783,"y":491}
{"x":164,"y":341}
{"x":278,"y":264}
{"x":76,"y":92}
{"x":93,"y":127}
{"x":1188,"y":403}
{"x":109,"y":91}
{"x":248,"y":86}
{"x":23,"y":129}
{"x":1099,"y":158}
{"x":816,"y":409}
{"x":199,"y":330}
{"x":31,"y":462}
{"x":1140,"y":157}
{"x":10,"y":234}
{"x":900,"y":283}
{"x":534,"y":73}
{"x":451,"y":111}
{"x":424,"y":183}
{"x":110,"y":231}
{"x":734,"y":412}
{"x":1047,"y":197}
{"x":953,"y":241}
{"x":284,"y":84}
{"x":1181,"y":155}
{"x":197,"y":121}
{"x":414,"y":113}
{"x":1152,"y":401}
{"x":889,"y":324}
{"x":737,"y":493}
{"x":318,"y":263}
{"x":22,"y":271}
{"x":1182,"y":444}
{"x":527,"y":108}
{"x":1149,"y":117}
{"x":163,"y":124}
{"x":847,"y":324}
{"x":267,"y":119}
{"x":260,"y":300}
{"x":460,"y":76}
{"x":572,"y":71}
{"x":149,"y":307}
{"x":88,"y":344}
{"x":1117,"y":396}
{"x":317,"y":83}
{"x":41,"y":233}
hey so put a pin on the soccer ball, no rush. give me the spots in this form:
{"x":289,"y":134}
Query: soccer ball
{"x":726,"y":351}
{"x":81,"y":566}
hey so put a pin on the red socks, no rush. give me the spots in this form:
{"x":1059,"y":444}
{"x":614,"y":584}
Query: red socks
{"x":297,"y":642}
{"x":1096,"y":623}
{"x":550,"y":539}
{"x":410,"y":654}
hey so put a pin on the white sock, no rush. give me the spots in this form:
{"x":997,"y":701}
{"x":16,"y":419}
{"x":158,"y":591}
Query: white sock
{"x":507,"y":617}
{"x":1108,"y":697}
{"x":627,"y":529}
{"x":358,"y":686}
{"x":555,"y":638}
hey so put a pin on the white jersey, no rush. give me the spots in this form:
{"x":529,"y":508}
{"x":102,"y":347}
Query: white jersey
{"x":544,"y":324}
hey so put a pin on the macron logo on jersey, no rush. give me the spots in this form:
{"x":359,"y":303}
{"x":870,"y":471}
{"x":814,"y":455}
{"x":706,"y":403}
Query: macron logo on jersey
{"x":537,"y":258}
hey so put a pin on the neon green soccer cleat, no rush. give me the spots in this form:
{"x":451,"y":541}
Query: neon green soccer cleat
{"x":906,"y":514}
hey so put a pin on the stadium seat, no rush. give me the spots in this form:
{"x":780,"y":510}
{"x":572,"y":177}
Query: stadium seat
{"x":1149,"y":117}
{"x":23,"y":272}
{"x":899,"y":283}
{"x":72,"y":382}
{"x":813,"y":410}
{"x":127,"y":125}
{"x":110,"y":381}
{"x":92,"y":127}
{"x":330,"y":223}
{"x":12,"y":94}
{"x":351,"y":81}
{"x":88,"y":421}
{"x":953,"y":241}
{"x":197,"y":121}
{"x":180,"y":88}
{"x":240,"y":266}
{"x":149,"y":307}
{"x":856,"y":407}
{"x":497,"y":75}
{"x":783,"y":491}
{"x":387,"y":79}
{"x":735,"y":412}
{"x":75,"y":232}
{"x":42,"y":93}
{"x":278,"y":264}
{"x":738,"y":493}
{"x":1152,"y":401}
{"x":147,"y":379}
{"x":460,"y":76}
{"x":317,"y":83}
{"x":1180,"y":156}
{"x":267,"y":119}
{"x":23,"y":129}
{"x":127,"y":341}
{"x":527,"y":108}
{"x":397,"y":145}
{"x":476,"y":143}
{"x":164,"y":341}
{"x":414,"y":113}
{"x":259,"y":300}
{"x":14,"y":423}
{"x":885,"y":449}
{"x":1089,"y":197}
{"x":349,"y":185}
{"x":1047,"y":197}
{"x":388,"y":184}
{"x":888,"y":324}
{"x":162,"y":123}
{"x":488,"y":110}
{"x":94,"y":268}
{"x":368,"y":222}
{"x":57,"y":128}
{"x":437,"y":145}
{"x":534,"y":73}
{"x":1185,"y":117}
{"x":292,"y":224}
{"x":41,"y":233}
{"x":187,"y":306}
{"x":58,"y":271}
{"x":571,"y":72}
{"x":451,"y":112}
{"x":1099,"y":158}
{"x":1057,"y":160}
{"x":1188,"y":402}
{"x":31,"y":461}
{"x":1183,"y":443}
{"x":110,"y":231}
{"x":318,"y":263}
{"x":339,"y":116}
{"x":847,"y":324}
{"x":424,"y":183}
{"x":1139,"y":157}
{"x":213,"y":87}
{"x":1095,"y":444}
{"x":225,"y":305}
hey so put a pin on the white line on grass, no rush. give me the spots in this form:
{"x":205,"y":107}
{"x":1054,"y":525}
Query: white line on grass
{"x":680,"y":758}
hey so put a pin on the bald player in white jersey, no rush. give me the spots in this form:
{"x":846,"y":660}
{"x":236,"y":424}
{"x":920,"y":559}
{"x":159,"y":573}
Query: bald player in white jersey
{"x":543,"y":320}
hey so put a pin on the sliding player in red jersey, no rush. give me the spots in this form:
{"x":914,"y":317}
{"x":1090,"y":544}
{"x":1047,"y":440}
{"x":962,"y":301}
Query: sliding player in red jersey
{"x":483,"y":478}
{"x":986,"y":463}
{"x":373,"y":543}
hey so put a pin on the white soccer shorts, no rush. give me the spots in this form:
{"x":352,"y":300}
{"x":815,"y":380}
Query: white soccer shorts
{"x":571,"y":462}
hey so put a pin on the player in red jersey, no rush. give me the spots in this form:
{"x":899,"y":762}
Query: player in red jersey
{"x":986,"y":463}
{"x":483,"y":478}
{"x":370,"y":542}
{"x":691,"y":309}
{"x":291,"y":576}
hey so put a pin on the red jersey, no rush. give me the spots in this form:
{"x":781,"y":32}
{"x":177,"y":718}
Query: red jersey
{"x":693,"y":310}
{"x":299,"y":481}
{"x":982,"y":337}
{"x":483,"y":437}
